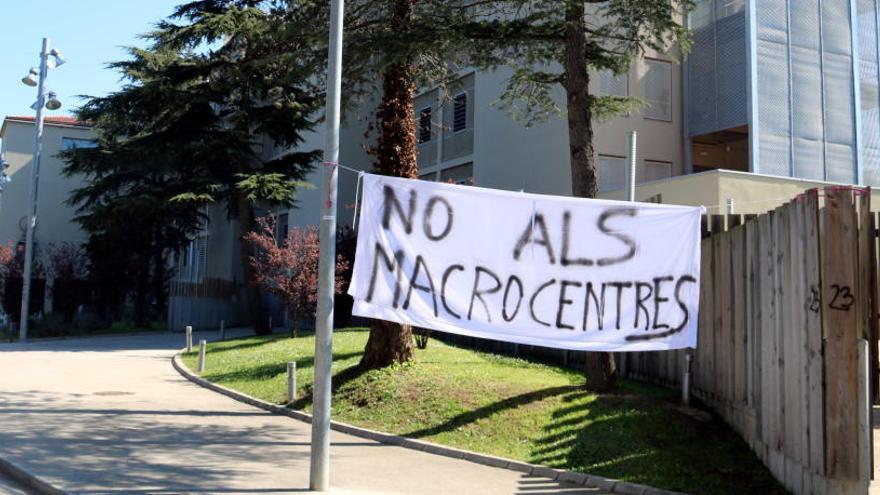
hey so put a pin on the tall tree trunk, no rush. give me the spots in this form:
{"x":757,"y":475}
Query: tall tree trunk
{"x":252,"y":298}
{"x":395,"y":152}
{"x":600,"y":370}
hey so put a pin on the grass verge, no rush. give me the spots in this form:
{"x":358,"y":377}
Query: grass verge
{"x":507,"y":407}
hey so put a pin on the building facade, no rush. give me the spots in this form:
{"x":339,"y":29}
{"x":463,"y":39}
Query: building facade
{"x":785,"y":88}
{"x":774,"y":98}
{"x":55,"y":218}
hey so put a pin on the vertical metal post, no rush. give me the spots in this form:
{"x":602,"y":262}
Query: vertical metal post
{"x":730,"y":206}
{"x":686,"y":379}
{"x":222,"y":329}
{"x":864,"y":415}
{"x":291,"y":381}
{"x":631,"y":142}
{"x":189,"y":338}
{"x":631,"y":147}
{"x":32,"y":195}
{"x":203,"y":344}
{"x":319,"y":473}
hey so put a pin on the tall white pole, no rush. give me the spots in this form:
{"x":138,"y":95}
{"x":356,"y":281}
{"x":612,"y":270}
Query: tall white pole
{"x":320,"y":456}
{"x":631,"y":138}
{"x":631,"y":165}
{"x":32,"y":195}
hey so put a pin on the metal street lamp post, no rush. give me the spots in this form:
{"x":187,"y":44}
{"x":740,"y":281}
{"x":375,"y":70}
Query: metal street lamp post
{"x":36,"y":78}
{"x":319,"y":474}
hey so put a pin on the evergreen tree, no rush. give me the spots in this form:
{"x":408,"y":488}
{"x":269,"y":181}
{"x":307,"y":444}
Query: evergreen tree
{"x":554,"y":44}
{"x":221,"y":78}
{"x":406,"y":43}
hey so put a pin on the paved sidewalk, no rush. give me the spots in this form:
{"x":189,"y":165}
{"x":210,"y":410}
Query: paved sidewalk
{"x":110,"y":415}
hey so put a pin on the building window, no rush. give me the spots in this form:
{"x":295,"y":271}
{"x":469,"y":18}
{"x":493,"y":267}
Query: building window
{"x":613,"y":85}
{"x":658,"y":89}
{"x":460,"y":174}
{"x":459,"y":112}
{"x":612,"y":173}
{"x":430,"y":176}
{"x":425,"y":125}
{"x":71,"y":143}
{"x":655,"y":170}
{"x":702,"y":15}
{"x":730,"y":7}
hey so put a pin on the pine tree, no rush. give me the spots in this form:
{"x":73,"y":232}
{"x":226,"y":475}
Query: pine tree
{"x":221,"y":78}
{"x":535,"y":37}
{"x":405,"y":43}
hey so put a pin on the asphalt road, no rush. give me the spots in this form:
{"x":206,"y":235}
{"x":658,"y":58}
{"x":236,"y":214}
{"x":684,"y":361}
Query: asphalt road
{"x":111,"y":415}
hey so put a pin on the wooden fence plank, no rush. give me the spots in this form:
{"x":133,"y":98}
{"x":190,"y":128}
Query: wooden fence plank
{"x":716,"y":332}
{"x":813,"y":329}
{"x":753,"y":326}
{"x":789,"y":351}
{"x":739,"y":341}
{"x":840,"y":321}
{"x":701,"y":353}
{"x":777,"y":369}
{"x":874,"y":331}
{"x":766,"y":321}
{"x":723,"y":344}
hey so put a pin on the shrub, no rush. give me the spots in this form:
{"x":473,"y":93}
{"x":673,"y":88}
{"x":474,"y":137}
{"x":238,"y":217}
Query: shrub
{"x":291,"y":269}
{"x":88,"y":321}
{"x":51,"y":325}
{"x":122,"y":326}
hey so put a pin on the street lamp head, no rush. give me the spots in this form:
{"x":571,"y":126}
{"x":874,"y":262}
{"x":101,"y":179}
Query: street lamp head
{"x":31,"y":78}
{"x":56,"y":60}
{"x":53,"y":103}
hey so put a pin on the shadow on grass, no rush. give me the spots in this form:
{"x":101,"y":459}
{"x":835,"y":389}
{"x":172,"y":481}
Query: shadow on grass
{"x":339,"y":379}
{"x":486,"y":411}
{"x":271,"y":370}
{"x":645,"y":440}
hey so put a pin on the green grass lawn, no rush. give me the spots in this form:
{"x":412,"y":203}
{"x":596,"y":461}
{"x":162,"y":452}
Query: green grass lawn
{"x":507,"y":407}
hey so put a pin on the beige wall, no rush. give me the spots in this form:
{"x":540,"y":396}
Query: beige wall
{"x":508,"y":155}
{"x":54,"y":218}
{"x":751,"y":193}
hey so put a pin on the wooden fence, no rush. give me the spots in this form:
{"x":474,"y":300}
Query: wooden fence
{"x":785,"y":300}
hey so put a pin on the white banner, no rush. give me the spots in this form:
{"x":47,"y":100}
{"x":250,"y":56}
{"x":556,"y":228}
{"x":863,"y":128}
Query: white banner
{"x":562,"y":272}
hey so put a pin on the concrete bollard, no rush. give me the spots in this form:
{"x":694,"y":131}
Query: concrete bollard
{"x":291,"y":381}
{"x":203,"y":344}
{"x":222,"y":329}
{"x":189,"y":338}
{"x":686,"y":379}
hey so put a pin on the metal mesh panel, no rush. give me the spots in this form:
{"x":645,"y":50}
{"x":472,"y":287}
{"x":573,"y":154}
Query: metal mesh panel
{"x":838,"y":99}
{"x":701,"y":82}
{"x":839,"y":163}
{"x":836,"y":35}
{"x":870,"y":96}
{"x":717,"y":85}
{"x":800,"y":135}
{"x":774,"y":114}
{"x":808,"y":158}
{"x":805,"y":25}
{"x":731,"y":67}
{"x":806,"y":87}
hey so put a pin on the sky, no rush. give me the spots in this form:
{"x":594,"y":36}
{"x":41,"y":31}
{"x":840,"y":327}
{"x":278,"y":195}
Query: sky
{"x":88,"y":33}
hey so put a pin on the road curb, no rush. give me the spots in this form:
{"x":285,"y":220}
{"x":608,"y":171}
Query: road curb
{"x":28,"y":480}
{"x":587,"y":480}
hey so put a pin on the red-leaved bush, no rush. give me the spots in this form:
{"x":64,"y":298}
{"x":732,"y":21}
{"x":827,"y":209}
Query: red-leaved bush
{"x":290,"y":270}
